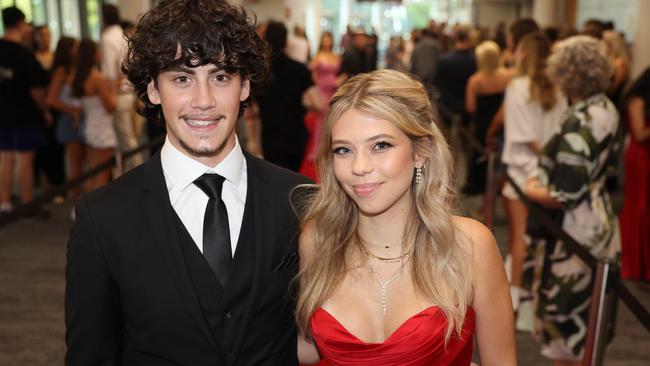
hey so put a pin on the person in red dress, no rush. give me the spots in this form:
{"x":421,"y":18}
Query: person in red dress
{"x":388,"y":274}
{"x":635,"y":215}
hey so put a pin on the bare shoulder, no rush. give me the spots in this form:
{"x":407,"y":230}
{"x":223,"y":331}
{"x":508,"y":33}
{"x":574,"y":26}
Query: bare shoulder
{"x":480,"y":238}
{"x":474,"y":230}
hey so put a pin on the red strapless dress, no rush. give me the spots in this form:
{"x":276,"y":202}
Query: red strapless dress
{"x":419,"y":341}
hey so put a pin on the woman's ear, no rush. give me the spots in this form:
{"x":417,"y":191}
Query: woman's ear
{"x":422,"y":150}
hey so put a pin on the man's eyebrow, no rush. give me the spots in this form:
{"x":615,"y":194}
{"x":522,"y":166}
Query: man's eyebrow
{"x":190,"y":70}
{"x":180,"y":68}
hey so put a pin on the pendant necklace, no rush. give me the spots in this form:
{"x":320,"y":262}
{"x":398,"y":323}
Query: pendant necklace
{"x":383,"y":284}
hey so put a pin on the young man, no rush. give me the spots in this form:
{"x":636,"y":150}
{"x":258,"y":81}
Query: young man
{"x":23,"y":85}
{"x":187,"y":259}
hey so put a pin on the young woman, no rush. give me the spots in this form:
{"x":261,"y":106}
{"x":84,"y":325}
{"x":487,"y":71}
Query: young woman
{"x":324,"y":69}
{"x":532,"y":111}
{"x":42,"y":51}
{"x":635,"y":215}
{"x":60,"y":99}
{"x":389,"y":275}
{"x":98,"y":98}
{"x":483,"y":97}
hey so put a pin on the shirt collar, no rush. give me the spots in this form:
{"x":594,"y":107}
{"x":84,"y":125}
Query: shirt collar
{"x":183,"y":170}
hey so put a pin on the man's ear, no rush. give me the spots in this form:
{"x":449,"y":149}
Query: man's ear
{"x":245,"y":90}
{"x":152,"y":92}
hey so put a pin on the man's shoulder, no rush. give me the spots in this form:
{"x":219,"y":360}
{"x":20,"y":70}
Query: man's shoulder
{"x":13,"y":50}
{"x":279,"y":177}
{"x":120,"y":192}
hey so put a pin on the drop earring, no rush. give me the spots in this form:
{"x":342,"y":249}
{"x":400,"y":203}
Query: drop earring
{"x":418,"y":175}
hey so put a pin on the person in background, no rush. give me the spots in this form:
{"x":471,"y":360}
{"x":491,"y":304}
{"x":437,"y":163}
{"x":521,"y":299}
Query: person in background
{"x":395,"y":54}
{"x":98,"y":99}
{"x":454,"y":70}
{"x":533,"y":109}
{"x":68,"y":108}
{"x":355,"y":58}
{"x":42,"y":50}
{"x":635,"y":214}
{"x":372,"y":51}
{"x":571,"y":182}
{"x":518,"y":29}
{"x":113,"y":50}
{"x":23,"y":88}
{"x":388,"y":274}
{"x":594,"y":28}
{"x":618,"y":53}
{"x":282,"y":113}
{"x":483,"y":98}
{"x":49,"y":159}
{"x":298,"y":45}
{"x":324,"y":69}
{"x":424,"y":59}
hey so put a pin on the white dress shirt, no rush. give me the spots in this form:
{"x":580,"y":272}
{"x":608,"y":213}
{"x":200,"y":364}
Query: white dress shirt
{"x":190,"y":202}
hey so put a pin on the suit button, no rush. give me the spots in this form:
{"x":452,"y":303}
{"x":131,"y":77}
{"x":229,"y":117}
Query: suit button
{"x":227,"y":316}
{"x":226,"y":352}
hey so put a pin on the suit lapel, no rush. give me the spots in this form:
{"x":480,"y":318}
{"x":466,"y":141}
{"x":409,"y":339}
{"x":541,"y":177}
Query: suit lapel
{"x":164,"y":235}
{"x":263,"y":229}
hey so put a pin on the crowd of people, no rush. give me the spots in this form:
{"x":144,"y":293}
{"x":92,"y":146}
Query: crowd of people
{"x":65,"y":110}
{"x":382,"y":273}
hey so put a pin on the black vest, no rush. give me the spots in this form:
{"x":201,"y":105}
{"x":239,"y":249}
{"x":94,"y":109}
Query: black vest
{"x":223,"y":307}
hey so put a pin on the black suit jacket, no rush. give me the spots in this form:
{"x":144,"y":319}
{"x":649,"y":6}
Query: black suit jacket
{"x":129,"y":299}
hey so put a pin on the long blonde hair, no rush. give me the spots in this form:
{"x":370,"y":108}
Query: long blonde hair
{"x":439,"y":264}
{"x":537,"y":48}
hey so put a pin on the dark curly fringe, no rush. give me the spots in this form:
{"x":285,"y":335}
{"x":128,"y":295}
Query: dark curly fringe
{"x":205,"y":32}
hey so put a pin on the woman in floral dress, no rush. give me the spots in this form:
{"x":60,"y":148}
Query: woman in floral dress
{"x":571,"y":178}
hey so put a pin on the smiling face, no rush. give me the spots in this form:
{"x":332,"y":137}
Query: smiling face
{"x":200,"y":106}
{"x":373,"y":161}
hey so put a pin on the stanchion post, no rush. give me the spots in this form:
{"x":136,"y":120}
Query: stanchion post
{"x":119,"y":163}
{"x":490,"y":191}
{"x":596,"y":338}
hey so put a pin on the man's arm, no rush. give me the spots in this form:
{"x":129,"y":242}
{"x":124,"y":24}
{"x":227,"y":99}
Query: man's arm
{"x":93,"y":316}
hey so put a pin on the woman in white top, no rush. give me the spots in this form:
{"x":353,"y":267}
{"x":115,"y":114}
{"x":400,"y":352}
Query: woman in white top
{"x":532,"y":110}
{"x":98,"y":98}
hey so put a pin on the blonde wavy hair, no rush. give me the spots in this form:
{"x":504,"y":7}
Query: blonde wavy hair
{"x":537,"y":48}
{"x":439,"y":258}
{"x":488,"y":57}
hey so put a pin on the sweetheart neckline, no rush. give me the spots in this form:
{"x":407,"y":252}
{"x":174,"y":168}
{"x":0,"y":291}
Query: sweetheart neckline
{"x":389,"y":336}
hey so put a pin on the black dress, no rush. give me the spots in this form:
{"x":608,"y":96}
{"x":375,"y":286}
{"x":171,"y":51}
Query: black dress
{"x":486,"y":107}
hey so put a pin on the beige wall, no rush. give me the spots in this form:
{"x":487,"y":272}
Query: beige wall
{"x":641,"y":45}
{"x":491,"y":12}
{"x":131,"y":9}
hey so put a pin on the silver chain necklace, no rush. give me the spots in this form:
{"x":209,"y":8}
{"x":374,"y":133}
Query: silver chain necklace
{"x":383,"y":284}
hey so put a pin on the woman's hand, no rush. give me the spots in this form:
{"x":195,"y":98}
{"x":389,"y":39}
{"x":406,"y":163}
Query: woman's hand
{"x":540,"y":193}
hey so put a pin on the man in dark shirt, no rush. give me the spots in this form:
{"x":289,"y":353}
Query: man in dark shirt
{"x":424,"y":59}
{"x":356,"y":59}
{"x":454,"y":69}
{"x":284,"y":135}
{"x":23,"y":87}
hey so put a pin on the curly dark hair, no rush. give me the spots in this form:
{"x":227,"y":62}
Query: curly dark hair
{"x":194,"y":33}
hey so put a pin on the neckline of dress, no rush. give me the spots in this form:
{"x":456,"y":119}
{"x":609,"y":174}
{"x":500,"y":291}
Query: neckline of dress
{"x":387,"y":339}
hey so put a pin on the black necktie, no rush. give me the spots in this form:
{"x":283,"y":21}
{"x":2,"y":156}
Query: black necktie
{"x":216,"y":231}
